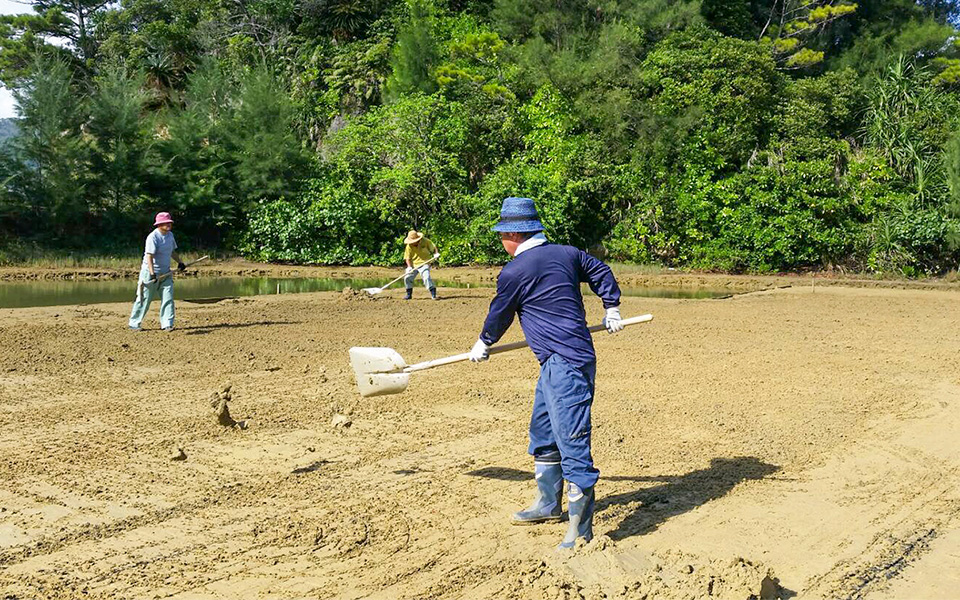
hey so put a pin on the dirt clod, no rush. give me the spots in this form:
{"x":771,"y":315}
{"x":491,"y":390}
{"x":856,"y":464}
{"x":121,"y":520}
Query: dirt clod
{"x":341,"y":421}
{"x":218,"y":401}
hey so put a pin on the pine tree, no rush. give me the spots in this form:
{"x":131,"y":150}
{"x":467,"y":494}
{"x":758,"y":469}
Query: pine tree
{"x":50,"y":147}
{"x":23,"y":35}
{"x":117,"y":135}
{"x":944,"y":11}
{"x":416,"y":53}
{"x":952,"y":168}
{"x":269,"y":157}
{"x":729,"y":17}
{"x":952,"y":165}
{"x":792,"y":25}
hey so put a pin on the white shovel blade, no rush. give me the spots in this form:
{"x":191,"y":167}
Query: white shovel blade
{"x":382,"y":384}
{"x":373,"y":291}
{"x":375,"y":360}
{"x":377,"y":371}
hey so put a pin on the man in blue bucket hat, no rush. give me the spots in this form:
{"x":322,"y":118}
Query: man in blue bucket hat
{"x":542,"y":286}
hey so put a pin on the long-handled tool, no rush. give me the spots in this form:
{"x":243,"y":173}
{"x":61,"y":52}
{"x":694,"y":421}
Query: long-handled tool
{"x":186,"y":266}
{"x":140,"y":284}
{"x":382,"y":371}
{"x":376,"y":290}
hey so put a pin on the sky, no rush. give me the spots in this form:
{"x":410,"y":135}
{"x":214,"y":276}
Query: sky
{"x":7,"y":105}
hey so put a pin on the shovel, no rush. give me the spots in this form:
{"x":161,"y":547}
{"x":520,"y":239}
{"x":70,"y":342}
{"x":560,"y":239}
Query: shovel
{"x":382,"y":371}
{"x":375,"y":291}
{"x":140,"y":284}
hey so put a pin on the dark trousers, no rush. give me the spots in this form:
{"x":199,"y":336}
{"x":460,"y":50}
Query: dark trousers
{"x":561,"y":419}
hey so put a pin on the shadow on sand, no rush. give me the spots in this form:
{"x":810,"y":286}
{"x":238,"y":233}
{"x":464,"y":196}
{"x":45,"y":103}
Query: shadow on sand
{"x":673,"y":496}
{"x":202,"y":329}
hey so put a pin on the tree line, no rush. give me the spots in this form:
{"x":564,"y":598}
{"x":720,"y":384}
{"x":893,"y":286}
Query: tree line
{"x":737,"y":135}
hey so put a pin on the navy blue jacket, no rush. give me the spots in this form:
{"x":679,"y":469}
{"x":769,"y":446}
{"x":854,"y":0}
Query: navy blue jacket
{"x":542,"y":286}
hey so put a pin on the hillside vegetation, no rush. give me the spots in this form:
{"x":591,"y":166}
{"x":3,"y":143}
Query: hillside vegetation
{"x":738,"y":135}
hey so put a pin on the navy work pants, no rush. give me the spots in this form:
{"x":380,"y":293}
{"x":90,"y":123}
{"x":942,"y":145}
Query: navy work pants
{"x":560,"y":423}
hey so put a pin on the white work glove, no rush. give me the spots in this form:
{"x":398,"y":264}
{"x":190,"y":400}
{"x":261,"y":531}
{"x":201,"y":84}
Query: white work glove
{"x":612,"y":321}
{"x":436,"y":255}
{"x":409,"y":270}
{"x":479,"y":352}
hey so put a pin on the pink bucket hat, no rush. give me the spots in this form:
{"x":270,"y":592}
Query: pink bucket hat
{"x":162,"y":218}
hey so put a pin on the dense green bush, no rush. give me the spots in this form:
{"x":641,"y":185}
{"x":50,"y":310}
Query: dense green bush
{"x":324,"y":225}
{"x":742,"y":136}
{"x":731,"y":87}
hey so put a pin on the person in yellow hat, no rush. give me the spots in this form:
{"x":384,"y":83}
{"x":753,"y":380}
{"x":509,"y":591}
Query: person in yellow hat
{"x":418,"y":255}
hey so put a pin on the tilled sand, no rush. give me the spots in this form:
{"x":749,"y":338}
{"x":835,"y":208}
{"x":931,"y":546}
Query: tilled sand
{"x":798,"y":441}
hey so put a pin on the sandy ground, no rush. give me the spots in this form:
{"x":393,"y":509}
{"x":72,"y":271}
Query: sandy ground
{"x":800,"y":442}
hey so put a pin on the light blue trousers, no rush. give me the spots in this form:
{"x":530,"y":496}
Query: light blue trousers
{"x":412,"y":276}
{"x":150,"y":291}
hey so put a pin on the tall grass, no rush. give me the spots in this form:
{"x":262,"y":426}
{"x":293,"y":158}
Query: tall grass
{"x":632,"y":269}
{"x":30,"y":257}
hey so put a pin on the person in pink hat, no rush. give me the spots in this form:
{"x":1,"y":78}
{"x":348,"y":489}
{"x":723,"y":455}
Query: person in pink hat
{"x":159,"y":249}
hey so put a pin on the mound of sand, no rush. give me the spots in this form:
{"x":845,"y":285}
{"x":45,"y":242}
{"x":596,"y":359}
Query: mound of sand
{"x":600,"y":571}
{"x":351,"y":295}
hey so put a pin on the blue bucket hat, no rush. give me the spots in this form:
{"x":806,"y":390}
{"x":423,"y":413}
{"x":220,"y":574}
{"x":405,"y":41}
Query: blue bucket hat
{"x":518,"y":215}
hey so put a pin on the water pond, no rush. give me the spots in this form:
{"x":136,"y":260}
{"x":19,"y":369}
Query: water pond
{"x":68,"y":292}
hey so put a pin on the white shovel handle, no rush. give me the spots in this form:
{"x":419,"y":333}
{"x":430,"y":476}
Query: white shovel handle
{"x":508,"y":347}
{"x":385,"y":286}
